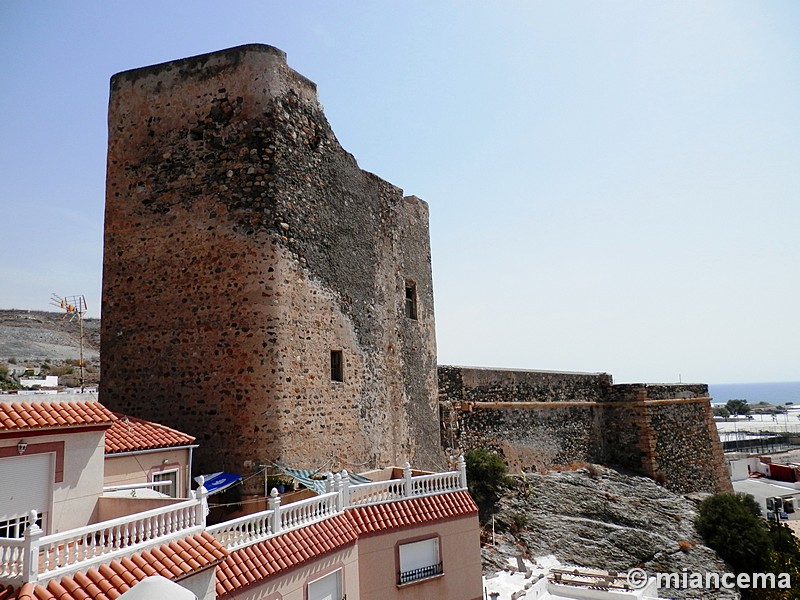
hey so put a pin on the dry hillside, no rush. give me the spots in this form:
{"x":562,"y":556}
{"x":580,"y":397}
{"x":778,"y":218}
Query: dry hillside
{"x":45,"y":340}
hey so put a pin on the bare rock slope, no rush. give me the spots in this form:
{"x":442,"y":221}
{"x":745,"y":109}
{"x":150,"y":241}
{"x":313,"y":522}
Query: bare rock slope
{"x":598,"y":517}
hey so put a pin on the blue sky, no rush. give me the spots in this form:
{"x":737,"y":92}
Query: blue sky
{"x":613,"y":186}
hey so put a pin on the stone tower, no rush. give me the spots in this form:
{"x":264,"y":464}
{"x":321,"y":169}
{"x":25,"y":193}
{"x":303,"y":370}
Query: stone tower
{"x":260,"y":291}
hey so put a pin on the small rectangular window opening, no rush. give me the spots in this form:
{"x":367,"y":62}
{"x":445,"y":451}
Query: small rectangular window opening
{"x":411,"y":300}
{"x":171,"y":477}
{"x":419,"y":560}
{"x":337,"y":365}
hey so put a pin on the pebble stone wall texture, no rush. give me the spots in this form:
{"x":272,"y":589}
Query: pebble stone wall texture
{"x":242,"y":246}
{"x":538,"y":419}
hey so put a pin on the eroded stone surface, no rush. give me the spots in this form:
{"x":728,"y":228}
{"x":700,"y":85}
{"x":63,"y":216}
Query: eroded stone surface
{"x":597,"y":517}
{"x":537,"y":419}
{"x":242,"y":246}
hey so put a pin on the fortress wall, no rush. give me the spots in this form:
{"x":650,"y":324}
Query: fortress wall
{"x":664,"y":431}
{"x":242,"y":246}
{"x":533,"y":438}
{"x":688,"y":455}
{"x":465,"y":384}
{"x":667,"y":432}
{"x":534,"y":418}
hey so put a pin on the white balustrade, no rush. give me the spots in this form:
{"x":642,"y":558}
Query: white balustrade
{"x":41,"y":558}
{"x":79,"y":549}
{"x":437,"y":483}
{"x":362,"y":494}
{"x":12,"y":554}
{"x":305,"y":512}
{"x":243,"y":531}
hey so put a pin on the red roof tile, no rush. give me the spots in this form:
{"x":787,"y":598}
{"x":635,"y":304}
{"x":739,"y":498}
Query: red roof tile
{"x":18,"y":416}
{"x":379,"y":517}
{"x":248,"y":565}
{"x":128,"y":434}
{"x":253,"y":563}
{"x":175,"y":560}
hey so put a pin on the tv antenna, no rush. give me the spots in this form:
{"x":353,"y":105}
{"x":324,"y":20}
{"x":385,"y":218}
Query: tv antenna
{"x":75,"y":307}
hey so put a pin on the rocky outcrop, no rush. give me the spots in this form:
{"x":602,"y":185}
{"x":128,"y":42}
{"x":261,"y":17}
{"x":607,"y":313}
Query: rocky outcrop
{"x":598,"y":517}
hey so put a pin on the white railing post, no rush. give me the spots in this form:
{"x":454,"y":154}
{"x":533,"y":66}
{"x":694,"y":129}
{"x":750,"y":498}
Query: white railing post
{"x":407,"y":488}
{"x":345,"y":489}
{"x":462,"y":472}
{"x":337,"y":487}
{"x":275,"y":507}
{"x":30,"y":560}
{"x":202,"y":508}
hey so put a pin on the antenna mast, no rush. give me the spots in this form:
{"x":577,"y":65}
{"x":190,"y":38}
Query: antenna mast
{"x":75,"y":307}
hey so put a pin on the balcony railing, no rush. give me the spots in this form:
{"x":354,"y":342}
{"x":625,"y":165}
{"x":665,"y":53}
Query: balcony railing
{"x":377,"y":492}
{"x":40,"y":558}
{"x":257,"y":527}
{"x":418,"y":574}
{"x":341,"y":495}
{"x":12,"y":560}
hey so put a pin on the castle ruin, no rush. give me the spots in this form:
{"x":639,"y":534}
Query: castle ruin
{"x":259,"y":288}
{"x":264,"y":293}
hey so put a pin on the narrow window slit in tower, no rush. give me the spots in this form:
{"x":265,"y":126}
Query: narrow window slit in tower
{"x":411,"y":300}
{"x":337,"y":366}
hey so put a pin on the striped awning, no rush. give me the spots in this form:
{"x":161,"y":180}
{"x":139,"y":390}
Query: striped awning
{"x":315,"y":479}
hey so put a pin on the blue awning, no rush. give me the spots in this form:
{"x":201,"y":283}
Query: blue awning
{"x":218,"y":482}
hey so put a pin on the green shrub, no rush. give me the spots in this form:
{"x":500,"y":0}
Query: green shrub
{"x":731,"y":525}
{"x":486,"y":479}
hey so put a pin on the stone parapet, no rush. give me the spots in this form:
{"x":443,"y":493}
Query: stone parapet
{"x":538,"y":419}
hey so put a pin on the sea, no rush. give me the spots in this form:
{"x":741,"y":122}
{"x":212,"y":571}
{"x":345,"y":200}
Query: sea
{"x":773,"y":392}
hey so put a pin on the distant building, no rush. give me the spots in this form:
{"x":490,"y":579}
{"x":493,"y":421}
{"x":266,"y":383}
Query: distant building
{"x":48,"y":381}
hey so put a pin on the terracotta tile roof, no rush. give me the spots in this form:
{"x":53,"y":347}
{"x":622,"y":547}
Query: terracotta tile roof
{"x":281,"y":553}
{"x":259,"y":561}
{"x":7,"y":592}
{"x":18,"y":416}
{"x":175,"y":560}
{"x":128,"y":434}
{"x":379,"y":517}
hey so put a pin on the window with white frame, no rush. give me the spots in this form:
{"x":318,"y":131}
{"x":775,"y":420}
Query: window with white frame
{"x":15,"y":527}
{"x":419,"y":560}
{"x":171,"y":487}
{"x":328,"y":587}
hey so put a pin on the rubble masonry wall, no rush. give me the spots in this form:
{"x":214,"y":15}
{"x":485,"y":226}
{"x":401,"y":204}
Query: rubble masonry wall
{"x":242,"y":246}
{"x":538,"y":419}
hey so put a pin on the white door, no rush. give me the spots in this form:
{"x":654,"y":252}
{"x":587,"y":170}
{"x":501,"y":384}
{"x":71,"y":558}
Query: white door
{"x":326,"y":588}
{"x":26,"y":483}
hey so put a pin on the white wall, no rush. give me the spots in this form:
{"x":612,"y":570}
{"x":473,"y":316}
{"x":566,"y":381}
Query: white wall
{"x":202,"y":584}
{"x":48,"y":381}
{"x":739,"y":468}
{"x":74,"y":498}
{"x":122,"y":469}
